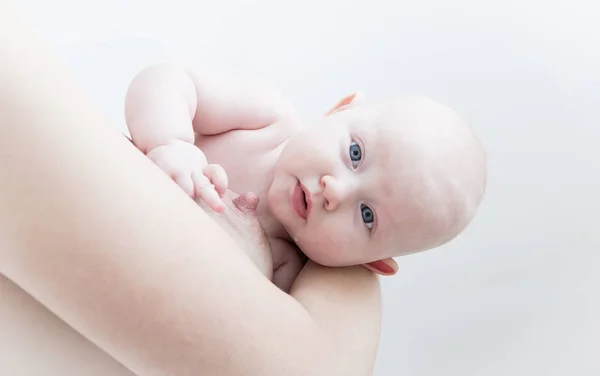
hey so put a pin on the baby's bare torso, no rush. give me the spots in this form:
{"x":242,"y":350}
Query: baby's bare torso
{"x":248,"y":156}
{"x":245,"y":156}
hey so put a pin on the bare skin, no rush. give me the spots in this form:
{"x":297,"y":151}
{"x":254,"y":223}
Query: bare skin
{"x":145,"y":282}
{"x":362,"y":185}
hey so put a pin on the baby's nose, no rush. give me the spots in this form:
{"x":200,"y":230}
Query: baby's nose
{"x":334,"y":192}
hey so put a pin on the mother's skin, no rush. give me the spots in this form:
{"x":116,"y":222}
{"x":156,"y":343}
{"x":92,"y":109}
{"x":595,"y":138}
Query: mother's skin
{"x":105,"y":241}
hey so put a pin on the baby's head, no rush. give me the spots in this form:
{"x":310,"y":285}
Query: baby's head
{"x":369,"y":182}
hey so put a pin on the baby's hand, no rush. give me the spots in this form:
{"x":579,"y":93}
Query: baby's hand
{"x":186,"y":164}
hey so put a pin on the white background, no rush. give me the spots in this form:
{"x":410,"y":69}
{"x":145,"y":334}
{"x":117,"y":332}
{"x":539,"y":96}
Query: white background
{"x":516,"y":294}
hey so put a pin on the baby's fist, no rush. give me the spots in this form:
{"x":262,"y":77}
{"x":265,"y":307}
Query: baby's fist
{"x":186,"y":164}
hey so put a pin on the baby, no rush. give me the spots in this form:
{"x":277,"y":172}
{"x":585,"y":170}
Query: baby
{"x":363,"y":184}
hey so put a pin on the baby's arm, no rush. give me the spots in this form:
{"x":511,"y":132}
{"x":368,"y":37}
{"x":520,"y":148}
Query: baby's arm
{"x":167,"y":105}
{"x":167,"y":102}
{"x":159,"y":107}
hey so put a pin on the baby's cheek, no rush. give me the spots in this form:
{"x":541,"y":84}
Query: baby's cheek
{"x":329,"y":246}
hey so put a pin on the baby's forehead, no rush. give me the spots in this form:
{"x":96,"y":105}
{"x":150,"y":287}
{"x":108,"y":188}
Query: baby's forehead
{"x":375,"y":122}
{"x":382,"y":131}
{"x":413,"y":122}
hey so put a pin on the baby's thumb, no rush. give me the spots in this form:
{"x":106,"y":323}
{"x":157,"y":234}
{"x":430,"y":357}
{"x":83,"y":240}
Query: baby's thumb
{"x":246,"y":203}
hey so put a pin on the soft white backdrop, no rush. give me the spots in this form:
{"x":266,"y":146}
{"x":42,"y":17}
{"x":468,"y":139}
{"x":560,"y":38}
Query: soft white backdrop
{"x":517,"y":294}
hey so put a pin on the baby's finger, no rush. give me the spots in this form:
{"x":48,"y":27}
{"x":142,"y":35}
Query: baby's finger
{"x":217,"y":176}
{"x":206,"y":191}
{"x":184,"y":181}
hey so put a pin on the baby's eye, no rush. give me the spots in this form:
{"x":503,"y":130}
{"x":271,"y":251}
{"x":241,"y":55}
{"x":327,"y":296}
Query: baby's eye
{"x":368,"y":216}
{"x":355,"y":154}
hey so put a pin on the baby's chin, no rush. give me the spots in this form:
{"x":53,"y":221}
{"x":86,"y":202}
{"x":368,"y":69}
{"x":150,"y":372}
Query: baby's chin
{"x":326,"y":256}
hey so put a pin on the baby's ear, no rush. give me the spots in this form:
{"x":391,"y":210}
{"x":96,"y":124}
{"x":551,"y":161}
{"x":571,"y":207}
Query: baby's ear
{"x":346,"y":102}
{"x":384,"y":267}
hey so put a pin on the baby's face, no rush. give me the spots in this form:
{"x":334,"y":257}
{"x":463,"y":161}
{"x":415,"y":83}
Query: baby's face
{"x":369,"y":182}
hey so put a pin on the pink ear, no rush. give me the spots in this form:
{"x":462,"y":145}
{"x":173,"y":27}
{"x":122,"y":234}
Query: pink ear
{"x":384,"y":267}
{"x":346,"y":102}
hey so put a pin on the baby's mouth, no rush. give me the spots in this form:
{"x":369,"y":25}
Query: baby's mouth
{"x":305,"y":202}
{"x":307,"y":199}
{"x":301,"y":202}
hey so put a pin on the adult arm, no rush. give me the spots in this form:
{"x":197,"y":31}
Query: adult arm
{"x":95,"y":232}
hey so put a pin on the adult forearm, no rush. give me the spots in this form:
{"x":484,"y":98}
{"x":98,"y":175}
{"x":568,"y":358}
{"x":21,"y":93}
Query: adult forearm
{"x":345,"y":306}
{"x":102,"y":238}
